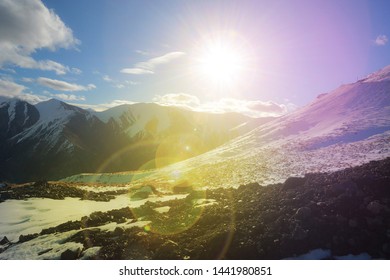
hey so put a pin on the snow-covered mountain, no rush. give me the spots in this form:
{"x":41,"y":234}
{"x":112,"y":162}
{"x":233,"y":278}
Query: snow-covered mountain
{"x":346,"y":127}
{"x":16,"y":116}
{"x":54,"y":139}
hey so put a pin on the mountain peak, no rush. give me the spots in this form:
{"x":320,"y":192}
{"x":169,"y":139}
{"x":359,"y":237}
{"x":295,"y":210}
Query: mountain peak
{"x":55,"y":109}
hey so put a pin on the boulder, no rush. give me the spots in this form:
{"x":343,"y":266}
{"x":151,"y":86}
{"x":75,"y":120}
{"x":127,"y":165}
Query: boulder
{"x":142,"y":193}
{"x":303,"y":213}
{"x":347,"y":186}
{"x":293,"y":183}
{"x":168,"y":250}
{"x":70,"y":255}
{"x":4,"y":241}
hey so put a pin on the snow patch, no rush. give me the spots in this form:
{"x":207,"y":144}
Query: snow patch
{"x":32,"y":215}
{"x":43,"y":247}
{"x":90,"y":253}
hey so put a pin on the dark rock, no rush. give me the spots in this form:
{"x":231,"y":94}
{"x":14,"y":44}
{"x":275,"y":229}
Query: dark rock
{"x":374,"y":223}
{"x":347,"y":186}
{"x":270,"y":216}
{"x":294,"y":182}
{"x":168,"y":250}
{"x":299,"y":233}
{"x":44,"y":251}
{"x":4,"y":241}
{"x":70,"y":255}
{"x":303,"y":213}
{"x":28,"y":237}
{"x":118,"y":231}
{"x":353,"y":223}
{"x":71,"y":225}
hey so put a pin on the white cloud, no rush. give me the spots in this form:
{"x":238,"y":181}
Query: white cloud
{"x":69,"y":97}
{"x":132,"y":83}
{"x":381,"y":40}
{"x":252,"y":108}
{"x":62,"y":85}
{"x":116,"y":83}
{"x":27,"y":26}
{"x":48,"y":65}
{"x":148,"y":67}
{"x":90,"y":86}
{"x":177,"y":99}
{"x":11,"y":89}
{"x":8,"y":70}
{"x":107,"y":78}
{"x":154,"y":62}
{"x":136,"y":71}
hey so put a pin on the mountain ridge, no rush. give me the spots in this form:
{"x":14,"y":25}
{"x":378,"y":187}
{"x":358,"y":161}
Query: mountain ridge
{"x":65,"y":139}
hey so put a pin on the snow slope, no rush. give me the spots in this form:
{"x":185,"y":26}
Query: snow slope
{"x":346,"y":127}
{"x":34,"y":214}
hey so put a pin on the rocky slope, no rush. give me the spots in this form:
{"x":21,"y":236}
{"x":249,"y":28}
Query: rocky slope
{"x":344,"y":214}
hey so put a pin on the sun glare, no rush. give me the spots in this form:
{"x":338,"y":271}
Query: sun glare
{"x":221,"y":64}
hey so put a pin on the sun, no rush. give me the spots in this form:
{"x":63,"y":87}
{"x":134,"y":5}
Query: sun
{"x":221,"y":64}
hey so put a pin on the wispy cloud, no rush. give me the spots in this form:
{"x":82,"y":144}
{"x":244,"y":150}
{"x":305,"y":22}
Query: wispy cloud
{"x":30,"y":26}
{"x":116,"y":83}
{"x":177,"y":99}
{"x":69,"y":97}
{"x":252,"y":108}
{"x":136,"y":71}
{"x":142,"y":52}
{"x":381,"y":40}
{"x":63,"y":86}
{"x":107,"y":78}
{"x":76,"y":71}
{"x":148,"y":67}
{"x":132,"y":83}
{"x":28,"y":80}
{"x":10,"y":89}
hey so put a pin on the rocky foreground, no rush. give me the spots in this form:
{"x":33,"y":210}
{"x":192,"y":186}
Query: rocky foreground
{"x":345,"y":213}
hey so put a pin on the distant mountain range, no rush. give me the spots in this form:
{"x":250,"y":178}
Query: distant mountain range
{"x":53,"y":139}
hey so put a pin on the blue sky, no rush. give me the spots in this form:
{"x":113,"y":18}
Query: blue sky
{"x":276,"y":55}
